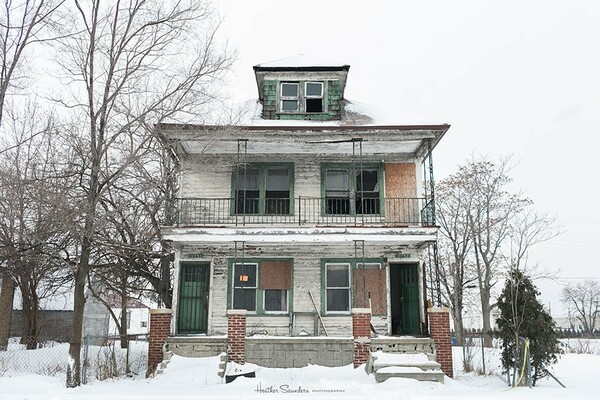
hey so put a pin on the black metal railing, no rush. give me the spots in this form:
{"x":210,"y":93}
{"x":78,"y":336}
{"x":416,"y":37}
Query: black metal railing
{"x":328,"y":211}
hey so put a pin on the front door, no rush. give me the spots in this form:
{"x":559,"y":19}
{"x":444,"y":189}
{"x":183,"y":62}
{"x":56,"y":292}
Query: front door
{"x":404,"y":299}
{"x":193,"y":297}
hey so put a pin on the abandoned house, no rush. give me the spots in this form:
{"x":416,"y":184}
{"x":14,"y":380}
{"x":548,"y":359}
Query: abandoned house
{"x":299,"y":222}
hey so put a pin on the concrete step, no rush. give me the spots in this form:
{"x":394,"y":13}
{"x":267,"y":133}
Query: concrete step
{"x":403,"y":345}
{"x":423,"y":366}
{"x":417,"y":366}
{"x":386,"y":373}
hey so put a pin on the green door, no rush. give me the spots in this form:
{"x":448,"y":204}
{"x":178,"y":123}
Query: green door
{"x":193,"y":298}
{"x":404,"y":286}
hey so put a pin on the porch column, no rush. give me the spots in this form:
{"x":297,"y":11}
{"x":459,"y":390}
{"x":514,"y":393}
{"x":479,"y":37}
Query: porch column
{"x":160,"y":327}
{"x":361,"y":330}
{"x":236,"y":335}
{"x":439,"y":330}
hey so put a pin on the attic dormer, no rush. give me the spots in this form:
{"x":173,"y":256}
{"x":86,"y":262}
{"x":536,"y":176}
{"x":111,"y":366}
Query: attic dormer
{"x":301,"y":89}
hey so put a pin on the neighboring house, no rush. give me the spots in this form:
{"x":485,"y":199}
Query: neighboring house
{"x":99,"y":324}
{"x":137,"y":315}
{"x":308,"y":211}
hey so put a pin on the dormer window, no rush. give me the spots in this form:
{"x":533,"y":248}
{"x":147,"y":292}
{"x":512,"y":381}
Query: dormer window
{"x":290,"y":96}
{"x":301,"y":97}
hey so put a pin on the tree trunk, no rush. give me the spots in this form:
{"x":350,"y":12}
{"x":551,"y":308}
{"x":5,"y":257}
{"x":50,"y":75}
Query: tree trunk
{"x":31,"y":324}
{"x":7,"y":294}
{"x":78,"y":309}
{"x":486,"y":312}
{"x":123,"y":327}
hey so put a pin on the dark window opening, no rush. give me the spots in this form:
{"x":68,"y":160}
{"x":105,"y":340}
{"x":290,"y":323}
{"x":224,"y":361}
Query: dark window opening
{"x":367,"y":192}
{"x":314,"y":105}
{"x":247,"y":191}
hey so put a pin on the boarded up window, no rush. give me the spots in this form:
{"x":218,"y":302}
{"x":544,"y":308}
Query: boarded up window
{"x":371,"y":278}
{"x":400,"y":191}
{"x":275,"y":275}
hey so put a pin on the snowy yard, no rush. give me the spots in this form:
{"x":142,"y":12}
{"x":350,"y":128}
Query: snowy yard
{"x":187,"y":378}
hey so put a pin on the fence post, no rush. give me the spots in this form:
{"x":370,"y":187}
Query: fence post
{"x":483,"y":355}
{"x":86,"y":344}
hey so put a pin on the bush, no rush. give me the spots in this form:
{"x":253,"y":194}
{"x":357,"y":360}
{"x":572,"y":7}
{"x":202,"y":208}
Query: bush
{"x":522,"y":315}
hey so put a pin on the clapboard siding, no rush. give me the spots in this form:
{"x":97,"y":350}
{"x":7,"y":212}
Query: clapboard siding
{"x":209,"y":176}
{"x":306,"y":277}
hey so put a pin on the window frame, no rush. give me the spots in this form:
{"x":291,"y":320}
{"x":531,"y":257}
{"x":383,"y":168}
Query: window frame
{"x":352,"y":183}
{"x":301,"y":97}
{"x":326,"y":288}
{"x":289,"y":98}
{"x":260,"y":298}
{"x":255,"y":287}
{"x":262,"y":189}
{"x":354,"y":263}
{"x":321,"y":96}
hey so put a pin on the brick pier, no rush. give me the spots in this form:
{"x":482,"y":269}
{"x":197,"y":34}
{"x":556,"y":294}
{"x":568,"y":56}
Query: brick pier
{"x":160,"y":328}
{"x":439,"y":330}
{"x":361,"y":330}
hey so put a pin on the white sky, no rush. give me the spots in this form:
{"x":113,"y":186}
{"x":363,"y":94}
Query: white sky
{"x":512,"y":78}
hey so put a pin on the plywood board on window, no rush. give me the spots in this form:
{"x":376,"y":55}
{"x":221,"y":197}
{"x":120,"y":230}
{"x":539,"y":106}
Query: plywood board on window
{"x":275,"y":275}
{"x":401,"y":192}
{"x":373,"y":280}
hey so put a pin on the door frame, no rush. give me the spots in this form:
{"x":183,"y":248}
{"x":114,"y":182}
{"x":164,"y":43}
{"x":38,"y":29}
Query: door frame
{"x":408,"y":261}
{"x":179,"y":259}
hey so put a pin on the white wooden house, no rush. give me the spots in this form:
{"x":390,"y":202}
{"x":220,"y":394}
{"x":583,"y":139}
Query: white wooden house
{"x":308,"y":211}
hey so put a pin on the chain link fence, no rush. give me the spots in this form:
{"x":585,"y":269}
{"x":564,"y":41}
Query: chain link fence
{"x":102,"y":357}
{"x":474,"y":357}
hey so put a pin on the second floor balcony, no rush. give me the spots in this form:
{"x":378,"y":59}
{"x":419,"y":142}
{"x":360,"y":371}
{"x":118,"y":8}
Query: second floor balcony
{"x":305,"y":211}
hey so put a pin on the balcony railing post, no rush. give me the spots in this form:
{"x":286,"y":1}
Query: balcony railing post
{"x":299,"y":210}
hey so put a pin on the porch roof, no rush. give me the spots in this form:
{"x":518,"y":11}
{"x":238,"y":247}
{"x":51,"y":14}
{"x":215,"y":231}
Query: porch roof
{"x":412,"y":236}
{"x":301,"y":137}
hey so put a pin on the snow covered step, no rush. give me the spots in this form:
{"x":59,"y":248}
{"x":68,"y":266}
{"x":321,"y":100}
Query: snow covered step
{"x":386,"y":373}
{"x":405,"y":365}
{"x":419,"y":360}
{"x":423,"y":366}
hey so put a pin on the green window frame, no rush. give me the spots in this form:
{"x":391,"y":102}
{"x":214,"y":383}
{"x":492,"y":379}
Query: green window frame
{"x":343,"y":195}
{"x":261,"y":299}
{"x":257,"y":189}
{"x":353,"y":264}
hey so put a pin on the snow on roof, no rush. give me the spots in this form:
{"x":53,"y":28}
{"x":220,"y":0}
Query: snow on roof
{"x":301,"y":60}
{"x":354,"y":113}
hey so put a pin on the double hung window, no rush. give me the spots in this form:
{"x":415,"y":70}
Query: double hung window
{"x":262,"y":287}
{"x":244,"y":286}
{"x":352,"y":190}
{"x":265,"y":189}
{"x":301,"y":97}
{"x":337,"y":287}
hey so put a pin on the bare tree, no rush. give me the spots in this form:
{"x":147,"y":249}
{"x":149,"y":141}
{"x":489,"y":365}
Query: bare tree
{"x":22,"y":23}
{"x":138,"y":62}
{"x":34,"y":230}
{"x":487,"y":230}
{"x":583,"y":302}
{"x":453,"y":206}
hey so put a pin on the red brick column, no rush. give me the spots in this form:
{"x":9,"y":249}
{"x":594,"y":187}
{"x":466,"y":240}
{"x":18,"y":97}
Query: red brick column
{"x":160,"y":328}
{"x":439,"y":330}
{"x":361,"y":330}
{"x":236,"y":335}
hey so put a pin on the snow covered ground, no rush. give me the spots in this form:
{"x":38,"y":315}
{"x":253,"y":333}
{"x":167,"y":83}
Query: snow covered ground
{"x":187,"y":378}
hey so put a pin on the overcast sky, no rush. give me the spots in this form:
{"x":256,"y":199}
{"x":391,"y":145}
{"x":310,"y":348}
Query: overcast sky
{"x":516,"y":78}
